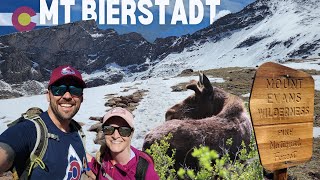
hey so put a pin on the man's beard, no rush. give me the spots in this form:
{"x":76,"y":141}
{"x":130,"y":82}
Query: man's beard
{"x":59,"y":115}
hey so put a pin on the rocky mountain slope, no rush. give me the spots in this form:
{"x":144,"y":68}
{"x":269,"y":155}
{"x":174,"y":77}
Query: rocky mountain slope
{"x":266,"y":30}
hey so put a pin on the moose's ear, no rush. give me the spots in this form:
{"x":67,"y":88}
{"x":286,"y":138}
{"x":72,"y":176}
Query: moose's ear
{"x":206,"y":83}
{"x":200,"y":82}
{"x":194,"y":86}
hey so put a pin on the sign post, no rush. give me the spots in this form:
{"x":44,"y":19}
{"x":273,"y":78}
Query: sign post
{"x":282,"y":108}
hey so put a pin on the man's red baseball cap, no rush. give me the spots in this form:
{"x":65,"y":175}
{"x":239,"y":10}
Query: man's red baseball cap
{"x":67,"y":73}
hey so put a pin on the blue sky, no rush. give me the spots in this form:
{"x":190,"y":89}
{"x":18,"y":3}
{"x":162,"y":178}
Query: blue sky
{"x":150,"y":32}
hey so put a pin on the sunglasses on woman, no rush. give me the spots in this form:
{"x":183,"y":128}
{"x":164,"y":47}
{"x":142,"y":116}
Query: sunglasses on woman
{"x":123,"y":131}
{"x":62,"y":89}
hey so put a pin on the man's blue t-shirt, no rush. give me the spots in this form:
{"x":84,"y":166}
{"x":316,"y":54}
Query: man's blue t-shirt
{"x":64,"y":158}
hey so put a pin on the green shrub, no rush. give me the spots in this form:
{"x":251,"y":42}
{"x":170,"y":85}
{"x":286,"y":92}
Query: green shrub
{"x":164,"y":164}
{"x":245,"y":166}
{"x":205,"y":157}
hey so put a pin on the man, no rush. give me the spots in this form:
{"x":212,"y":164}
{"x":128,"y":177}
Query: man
{"x":65,"y":153}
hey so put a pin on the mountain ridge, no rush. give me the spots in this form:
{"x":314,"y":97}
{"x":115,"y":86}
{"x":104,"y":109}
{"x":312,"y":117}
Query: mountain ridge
{"x":265,"y":30}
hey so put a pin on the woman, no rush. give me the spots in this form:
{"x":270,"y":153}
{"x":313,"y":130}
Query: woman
{"x":119,"y":160}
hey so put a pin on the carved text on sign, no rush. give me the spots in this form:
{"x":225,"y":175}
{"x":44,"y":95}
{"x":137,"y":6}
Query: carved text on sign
{"x":278,"y":156}
{"x":285,"y":144}
{"x":283,"y":112}
{"x":286,"y":83}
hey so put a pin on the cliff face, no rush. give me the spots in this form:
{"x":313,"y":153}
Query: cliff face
{"x":32,"y":55}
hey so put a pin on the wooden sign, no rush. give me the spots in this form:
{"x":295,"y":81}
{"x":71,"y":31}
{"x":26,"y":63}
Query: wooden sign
{"x":282,"y":108}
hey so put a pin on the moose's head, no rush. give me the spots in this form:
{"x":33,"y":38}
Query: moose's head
{"x":205,"y":102}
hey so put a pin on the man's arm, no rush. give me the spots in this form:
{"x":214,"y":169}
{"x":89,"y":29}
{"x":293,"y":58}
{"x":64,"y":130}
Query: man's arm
{"x":7,"y":156}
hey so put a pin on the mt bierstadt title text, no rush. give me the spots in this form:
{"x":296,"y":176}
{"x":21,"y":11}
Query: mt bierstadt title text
{"x":115,"y":12}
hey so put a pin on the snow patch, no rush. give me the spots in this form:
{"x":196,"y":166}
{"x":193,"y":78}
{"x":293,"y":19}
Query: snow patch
{"x":5,"y":86}
{"x":35,"y":64}
{"x":97,"y":35}
{"x":221,"y":14}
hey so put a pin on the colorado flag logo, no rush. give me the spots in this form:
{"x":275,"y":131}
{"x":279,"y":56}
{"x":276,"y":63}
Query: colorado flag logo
{"x":21,"y":18}
{"x":19,"y":15}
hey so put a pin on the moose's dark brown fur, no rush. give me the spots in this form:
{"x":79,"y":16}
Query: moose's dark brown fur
{"x":209,"y":117}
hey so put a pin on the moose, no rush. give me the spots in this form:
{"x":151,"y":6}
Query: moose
{"x":208,"y":117}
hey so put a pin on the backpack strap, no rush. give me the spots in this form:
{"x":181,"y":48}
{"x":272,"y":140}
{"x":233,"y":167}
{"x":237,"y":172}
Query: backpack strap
{"x":141,"y":168}
{"x":40,"y":146}
{"x":143,"y":163}
{"x":15,"y":121}
{"x":146,"y":156}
